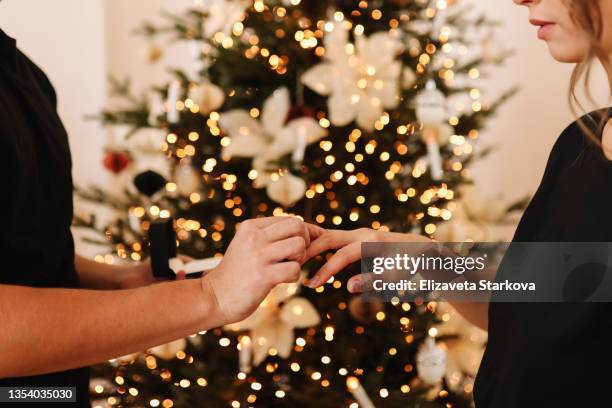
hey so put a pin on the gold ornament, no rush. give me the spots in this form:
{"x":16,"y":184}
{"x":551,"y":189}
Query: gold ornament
{"x":153,"y":53}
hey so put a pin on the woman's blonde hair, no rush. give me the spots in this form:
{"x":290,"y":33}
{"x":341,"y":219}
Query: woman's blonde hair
{"x":587,"y":15}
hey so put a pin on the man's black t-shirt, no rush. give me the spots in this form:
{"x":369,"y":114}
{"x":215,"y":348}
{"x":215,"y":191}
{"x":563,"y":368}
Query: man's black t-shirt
{"x":36,"y":246}
{"x":556,"y":354}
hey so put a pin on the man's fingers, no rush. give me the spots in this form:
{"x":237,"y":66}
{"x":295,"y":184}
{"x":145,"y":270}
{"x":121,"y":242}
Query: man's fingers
{"x":286,"y":228}
{"x":263,"y":222}
{"x":290,"y":249}
{"x":340,"y":260}
{"x":285,"y":272}
{"x":314,"y":231}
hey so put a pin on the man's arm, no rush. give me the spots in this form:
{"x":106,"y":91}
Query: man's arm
{"x":45,"y":330}
{"x":96,"y":275}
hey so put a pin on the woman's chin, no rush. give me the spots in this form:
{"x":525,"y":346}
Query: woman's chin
{"x":562,"y":54}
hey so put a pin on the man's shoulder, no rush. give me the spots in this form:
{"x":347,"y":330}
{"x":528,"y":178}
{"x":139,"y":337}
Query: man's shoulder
{"x":27,"y":66}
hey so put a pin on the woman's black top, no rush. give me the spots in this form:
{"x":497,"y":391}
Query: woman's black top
{"x":556,"y":354}
{"x":36,"y":246}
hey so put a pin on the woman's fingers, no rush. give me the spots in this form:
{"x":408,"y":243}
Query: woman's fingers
{"x":290,"y":249}
{"x":360,"y":283}
{"x":340,"y":260}
{"x":330,"y":239}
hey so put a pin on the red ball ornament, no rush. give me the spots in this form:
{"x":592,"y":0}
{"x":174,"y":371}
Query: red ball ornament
{"x":116,"y":160}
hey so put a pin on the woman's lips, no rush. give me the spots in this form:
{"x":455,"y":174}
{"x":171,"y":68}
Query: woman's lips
{"x":544,"y":30}
{"x":545,"y":27}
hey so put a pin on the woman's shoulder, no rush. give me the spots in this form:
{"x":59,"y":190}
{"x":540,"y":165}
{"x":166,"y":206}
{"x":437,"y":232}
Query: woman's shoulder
{"x":579,"y":129}
{"x":577,"y":136}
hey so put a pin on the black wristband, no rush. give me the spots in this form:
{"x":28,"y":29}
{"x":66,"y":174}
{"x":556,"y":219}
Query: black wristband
{"x":163,"y":247}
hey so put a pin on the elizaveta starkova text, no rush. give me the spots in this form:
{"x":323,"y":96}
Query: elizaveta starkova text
{"x":432,"y":285}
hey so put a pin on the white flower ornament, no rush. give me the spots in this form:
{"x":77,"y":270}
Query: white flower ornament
{"x":361,"y":79}
{"x":272,"y":325}
{"x":270,"y":138}
{"x":222,"y":15}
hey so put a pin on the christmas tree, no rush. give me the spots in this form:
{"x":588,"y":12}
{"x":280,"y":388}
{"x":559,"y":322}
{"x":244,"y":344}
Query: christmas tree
{"x":347,"y":113}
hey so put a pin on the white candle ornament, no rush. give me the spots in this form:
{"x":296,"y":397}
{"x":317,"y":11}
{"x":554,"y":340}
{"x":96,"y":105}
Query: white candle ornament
{"x":173,"y":97}
{"x":431,"y":105}
{"x":359,"y":393}
{"x":156,"y":109}
{"x":431,"y":111}
{"x":300,"y":148}
{"x":430,"y":362}
{"x":246,"y":354}
{"x":430,"y":138}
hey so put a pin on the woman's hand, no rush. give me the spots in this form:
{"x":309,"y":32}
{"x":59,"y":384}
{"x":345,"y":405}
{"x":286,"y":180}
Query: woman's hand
{"x":263,"y":253}
{"x":348,"y":244}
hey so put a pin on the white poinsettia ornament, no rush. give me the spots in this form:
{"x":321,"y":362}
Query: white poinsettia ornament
{"x":270,"y":138}
{"x":472,"y":216}
{"x":272,"y":325}
{"x":361,"y":79}
{"x":460,"y":228}
{"x":207,"y":96}
{"x":481,"y":209}
{"x":222,"y":15}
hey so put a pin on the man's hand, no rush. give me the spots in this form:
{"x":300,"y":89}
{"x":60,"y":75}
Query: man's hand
{"x":264,"y":253}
